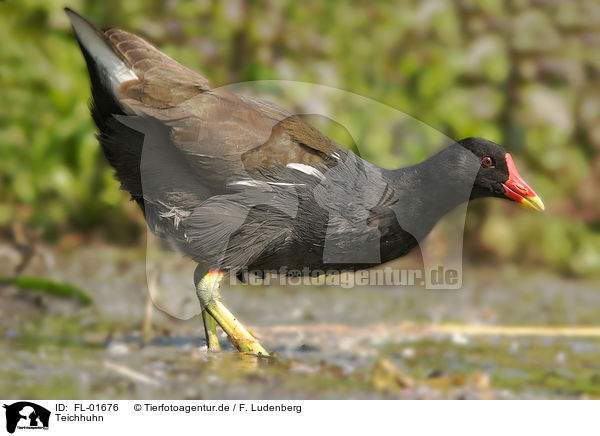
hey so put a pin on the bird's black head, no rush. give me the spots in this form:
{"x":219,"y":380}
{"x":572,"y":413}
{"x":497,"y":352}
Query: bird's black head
{"x":498,"y":175}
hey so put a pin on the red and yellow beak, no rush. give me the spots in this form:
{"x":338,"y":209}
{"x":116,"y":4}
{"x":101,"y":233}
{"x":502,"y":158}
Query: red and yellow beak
{"x":516,"y":189}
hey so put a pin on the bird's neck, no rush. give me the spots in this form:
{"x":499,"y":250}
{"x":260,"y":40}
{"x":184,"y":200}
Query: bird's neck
{"x":429,"y":190}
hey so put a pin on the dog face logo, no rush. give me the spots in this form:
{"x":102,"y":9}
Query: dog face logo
{"x":26,"y":415}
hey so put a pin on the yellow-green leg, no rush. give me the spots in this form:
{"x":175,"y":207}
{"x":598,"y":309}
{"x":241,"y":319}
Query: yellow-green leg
{"x":210,"y":330}
{"x":207,"y":288}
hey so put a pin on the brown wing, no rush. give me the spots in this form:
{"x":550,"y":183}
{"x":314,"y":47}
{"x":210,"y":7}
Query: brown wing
{"x":220,"y":132}
{"x":163,"y":83}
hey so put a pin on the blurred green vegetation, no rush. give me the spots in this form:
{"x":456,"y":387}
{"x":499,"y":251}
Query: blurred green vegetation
{"x":60,"y":290}
{"x":524,"y":73}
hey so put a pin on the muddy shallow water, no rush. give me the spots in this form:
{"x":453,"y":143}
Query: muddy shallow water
{"x":512,"y":333}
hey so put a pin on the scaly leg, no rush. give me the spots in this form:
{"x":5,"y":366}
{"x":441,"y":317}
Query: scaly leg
{"x":210,"y":330}
{"x":207,"y":289}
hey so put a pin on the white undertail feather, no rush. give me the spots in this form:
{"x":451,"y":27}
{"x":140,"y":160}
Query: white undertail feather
{"x":113,"y":70}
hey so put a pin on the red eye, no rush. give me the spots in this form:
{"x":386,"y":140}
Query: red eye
{"x":487,"y":161}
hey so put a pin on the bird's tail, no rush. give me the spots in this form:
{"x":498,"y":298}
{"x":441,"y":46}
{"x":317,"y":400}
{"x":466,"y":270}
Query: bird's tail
{"x":130,"y":77}
{"x":108,"y":69}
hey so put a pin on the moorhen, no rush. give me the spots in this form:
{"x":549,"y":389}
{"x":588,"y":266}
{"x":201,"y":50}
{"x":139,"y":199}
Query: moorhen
{"x":238,"y":183}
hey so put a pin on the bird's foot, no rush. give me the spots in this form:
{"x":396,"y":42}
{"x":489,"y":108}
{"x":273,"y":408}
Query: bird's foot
{"x":214,"y":312}
{"x":239,"y":335}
